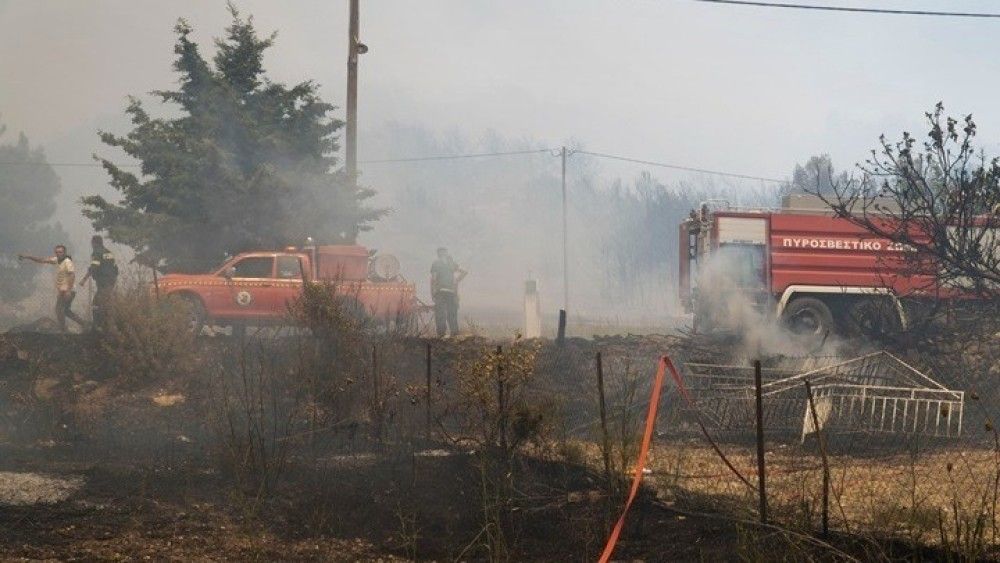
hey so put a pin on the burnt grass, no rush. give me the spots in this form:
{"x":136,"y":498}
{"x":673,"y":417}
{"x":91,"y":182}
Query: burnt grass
{"x":154,"y":486}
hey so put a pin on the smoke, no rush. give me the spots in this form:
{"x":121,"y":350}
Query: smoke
{"x":733,"y":300}
{"x":501,"y":218}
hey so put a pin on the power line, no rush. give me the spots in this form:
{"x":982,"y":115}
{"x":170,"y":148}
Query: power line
{"x":685,"y":168}
{"x":454,"y":156}
{"x":373,"y":161}
{"x":67,"y":164}
{"x":850,"y":9}
{"x":460,"y":157}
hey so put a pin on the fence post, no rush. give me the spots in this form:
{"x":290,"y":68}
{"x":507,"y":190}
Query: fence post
{"x":605,"y":440}
{"x":376,"y":404}
{"x":761,"y":476}
{"x":821,"y":440}
{"x":561,"y":331}
{"x":501,"y":414}
{"x":428,"y":392}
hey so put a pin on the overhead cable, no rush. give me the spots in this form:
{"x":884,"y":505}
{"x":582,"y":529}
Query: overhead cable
{"x":685,"y":168}
{"x":830,"y":8}
{"x":464,"y":156}
{"x":452,"y":156}
{"x":66,"y":164}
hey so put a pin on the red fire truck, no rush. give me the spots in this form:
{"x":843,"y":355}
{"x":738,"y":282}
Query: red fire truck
{"x":816,"y":272}
{"x":254,"y":288}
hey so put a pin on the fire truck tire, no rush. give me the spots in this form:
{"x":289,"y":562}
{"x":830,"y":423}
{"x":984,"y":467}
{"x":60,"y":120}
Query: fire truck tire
{"x":808,"y":316}
{"x":873,"y":318}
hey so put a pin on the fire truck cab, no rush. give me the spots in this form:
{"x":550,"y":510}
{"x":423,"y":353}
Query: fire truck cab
{"x":816,"y":272}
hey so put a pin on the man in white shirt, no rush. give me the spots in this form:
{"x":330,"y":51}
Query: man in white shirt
{"x":64,"y":278}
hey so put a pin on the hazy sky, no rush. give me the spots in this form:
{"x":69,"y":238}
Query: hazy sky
{"x":750,"y":90}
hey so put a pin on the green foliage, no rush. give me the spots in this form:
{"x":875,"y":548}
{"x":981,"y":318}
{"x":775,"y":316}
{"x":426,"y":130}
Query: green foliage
{"x":28,"y":187}
{"x":146,"y":339}
{"x":817,"y":175}
{"x":247,"y":164}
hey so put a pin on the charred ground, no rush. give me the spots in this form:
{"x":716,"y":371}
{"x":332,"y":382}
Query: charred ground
{"x":269,"y":448}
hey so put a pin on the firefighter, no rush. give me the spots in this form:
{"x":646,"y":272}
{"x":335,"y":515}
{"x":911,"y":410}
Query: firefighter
{"x":64,"y":278}
{"x":104,"y":271}
{"x":445,"y":276}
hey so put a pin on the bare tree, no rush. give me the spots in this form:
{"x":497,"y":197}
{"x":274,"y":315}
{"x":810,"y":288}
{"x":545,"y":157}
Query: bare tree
{"x":936,"y":201}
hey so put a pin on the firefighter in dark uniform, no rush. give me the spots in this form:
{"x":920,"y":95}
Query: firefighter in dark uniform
{"x":104,"y":270}
{"x":445,"y":276}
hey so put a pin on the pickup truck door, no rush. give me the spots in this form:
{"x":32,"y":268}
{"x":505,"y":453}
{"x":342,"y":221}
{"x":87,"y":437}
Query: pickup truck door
{"x":287,"y":284}
{"x":249,"y":287}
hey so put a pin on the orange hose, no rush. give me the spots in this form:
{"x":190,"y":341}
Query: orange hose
{"x":640,"y":464}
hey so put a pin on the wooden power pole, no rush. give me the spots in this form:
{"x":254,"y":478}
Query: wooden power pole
{"x":354,"y":48}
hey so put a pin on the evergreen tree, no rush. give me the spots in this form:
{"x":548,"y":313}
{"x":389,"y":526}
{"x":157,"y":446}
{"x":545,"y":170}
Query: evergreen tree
{"x":816,"y":176}
{"x":249,"y":163}
{"x":28,"y":187}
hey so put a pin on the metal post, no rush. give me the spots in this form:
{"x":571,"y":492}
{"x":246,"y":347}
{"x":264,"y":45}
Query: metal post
{"x":761,"y":478}
{"x":351,"y":137}
{"x":561,"y":331}
{"x":821,"y":440}
{"x":376,"y":406}
{"x":605,"y":441}
{"x":428,"y":431}
{"x":501,"y":416}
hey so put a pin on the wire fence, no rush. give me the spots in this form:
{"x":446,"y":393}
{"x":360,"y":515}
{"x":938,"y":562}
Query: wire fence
{"x":879,"y":449}
{"x":883,"y":451}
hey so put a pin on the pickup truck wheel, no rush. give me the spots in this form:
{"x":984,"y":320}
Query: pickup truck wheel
{"x":354,"y":310}
{"x":195,"y":312}
{"x":808,"y":316}
{"x":239,"y":331}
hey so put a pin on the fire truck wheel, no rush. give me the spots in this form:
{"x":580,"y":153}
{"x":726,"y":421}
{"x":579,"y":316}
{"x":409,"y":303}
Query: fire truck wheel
{"x":808,"y":316}
{"x":873,"y":318}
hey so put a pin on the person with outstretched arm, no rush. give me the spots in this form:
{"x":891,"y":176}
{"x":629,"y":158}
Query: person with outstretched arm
{"x":64,"y":278}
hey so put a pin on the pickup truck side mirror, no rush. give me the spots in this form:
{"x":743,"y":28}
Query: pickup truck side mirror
{"x":229,"y":273}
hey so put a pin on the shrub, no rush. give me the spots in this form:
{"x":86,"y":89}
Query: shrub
{"x":145,"y":338}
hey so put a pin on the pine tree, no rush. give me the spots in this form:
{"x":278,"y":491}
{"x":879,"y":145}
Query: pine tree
{"x":28,"y":188}
{"x":248,"y":164}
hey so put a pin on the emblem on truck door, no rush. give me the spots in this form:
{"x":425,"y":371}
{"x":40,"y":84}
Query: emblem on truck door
{"x":244,"y":299}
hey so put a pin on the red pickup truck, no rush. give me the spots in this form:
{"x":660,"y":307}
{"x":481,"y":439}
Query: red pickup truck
{"x":255,"y":288}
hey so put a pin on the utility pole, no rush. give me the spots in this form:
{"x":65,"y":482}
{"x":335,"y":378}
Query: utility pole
{"x":354,"y":48}
{"x":565,"y":235}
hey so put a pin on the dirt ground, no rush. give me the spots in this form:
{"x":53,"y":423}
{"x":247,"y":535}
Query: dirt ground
{"x":91,"y":469}
{"x":96,"y":467}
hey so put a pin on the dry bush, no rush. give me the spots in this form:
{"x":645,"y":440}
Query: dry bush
{"x":333,"y":358}
{"x":146,"y":339}
{"x":498,"y":414}
{"x":257,"y":405}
